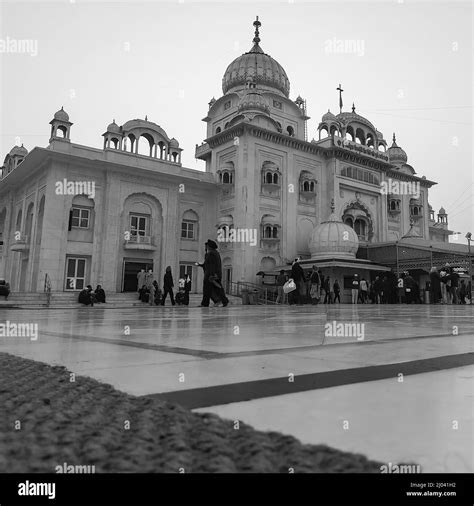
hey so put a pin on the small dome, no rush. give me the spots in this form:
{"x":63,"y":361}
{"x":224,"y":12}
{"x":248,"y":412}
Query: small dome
{"x":442,"y":211}
{"x":174,"y":143}
{"x":61,"y":115}
{"x":19,"y":151}
{"x":113,"y":127}
{"x":396,"y":154}
{"x":333,"y":238}
{"x":329,"y":116}
{"x":254,"y":101}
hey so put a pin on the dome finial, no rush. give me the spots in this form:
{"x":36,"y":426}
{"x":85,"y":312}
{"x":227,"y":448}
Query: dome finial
{"x":257,"y":25}
{"x":333,"y":207}
{"x":353,"y":107}
{"x":394,"y":140}
{"x":146,"y":117}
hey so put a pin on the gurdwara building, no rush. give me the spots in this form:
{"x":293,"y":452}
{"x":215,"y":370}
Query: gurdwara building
{"x":79,"y":215}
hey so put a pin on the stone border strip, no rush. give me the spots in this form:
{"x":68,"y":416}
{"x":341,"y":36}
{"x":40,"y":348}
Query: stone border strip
{"x":258,"y":389}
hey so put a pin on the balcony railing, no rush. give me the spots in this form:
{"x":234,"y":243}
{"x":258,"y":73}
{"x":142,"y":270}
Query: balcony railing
{"x":202,"y":150}
{"x":143,"y":242}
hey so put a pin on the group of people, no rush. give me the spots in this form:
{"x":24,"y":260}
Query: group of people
{"x":150,"y":292}
{"x":446,"y":287}
{"x":312,"y":287}
{"x":88,"y":297}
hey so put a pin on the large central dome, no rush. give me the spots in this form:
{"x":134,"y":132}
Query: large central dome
{"x":258,"y":67}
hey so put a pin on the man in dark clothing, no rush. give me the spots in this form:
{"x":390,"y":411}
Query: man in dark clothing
{"x":455,"y":286}
{"x":280,"y":281}
{"x":100,"y":294}
{"x":168,"y":286}
{"x":377,"y":289}
{"x":86,"y":296}
{"x":435,"y":288}
{"x":212,"y":275}
{"x":337,"y":291}
{"x":297,"y":274}
{"x":409,"y":284}
{"x":4,"y":288}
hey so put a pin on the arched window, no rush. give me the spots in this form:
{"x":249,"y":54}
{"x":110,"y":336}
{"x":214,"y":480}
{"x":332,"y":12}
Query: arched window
{"x":323,"y":132}
{"x":291,"y":131}
{"x":267,"y":234}
{"x":311,"y":186}
{"x":275,"y":178}
{"x":226,"y":125}
{"x":218,"y":130}
{"x":275,"y":233}
{"x":189,"y":225}
{"x":306,"y":186}
{"x":220,"y":177}
{"x":348,"y":221}
{"x":279,"y":127}
{"x":226,"y":178}
{"x":269,"y":178}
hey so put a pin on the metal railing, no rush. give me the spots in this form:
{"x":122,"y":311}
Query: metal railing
{"x":262,"y":294}
{"x":47,"y":288}
{"x":140,"y":239}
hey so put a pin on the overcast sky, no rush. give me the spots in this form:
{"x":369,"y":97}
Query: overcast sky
{"x":410,"y":72}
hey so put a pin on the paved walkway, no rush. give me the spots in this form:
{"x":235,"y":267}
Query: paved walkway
{"x":280,"y":357}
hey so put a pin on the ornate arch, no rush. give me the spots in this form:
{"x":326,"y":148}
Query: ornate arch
{"x":360,"y":206}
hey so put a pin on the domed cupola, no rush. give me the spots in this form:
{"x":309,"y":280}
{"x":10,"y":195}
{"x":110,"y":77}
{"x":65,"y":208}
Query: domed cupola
{"x":328,"y":117}
{"x":333,"y":239}
{"x":19,"y":151}
{"x":61,"y":115}
{"x":258,"y":65}
{"x":174,"y":143}
{"x":396,"y":154}
{"x":113,"y":128}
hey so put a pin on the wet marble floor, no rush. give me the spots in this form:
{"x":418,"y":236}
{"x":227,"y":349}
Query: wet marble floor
{"x":294,"y":368}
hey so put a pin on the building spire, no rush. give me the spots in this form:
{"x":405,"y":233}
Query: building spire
{"x":257,"y":24}
{"x":340,"y":90}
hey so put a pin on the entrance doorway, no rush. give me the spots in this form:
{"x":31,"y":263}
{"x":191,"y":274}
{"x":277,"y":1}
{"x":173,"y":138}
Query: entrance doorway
{"x":130,"y":270}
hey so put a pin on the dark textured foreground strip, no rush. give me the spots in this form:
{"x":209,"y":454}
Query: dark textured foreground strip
{"x":258,"y":389}
{"x":85,"y":422}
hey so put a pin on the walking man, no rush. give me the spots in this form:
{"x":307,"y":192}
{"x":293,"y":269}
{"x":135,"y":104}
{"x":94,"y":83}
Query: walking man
{"x":212,"y":266}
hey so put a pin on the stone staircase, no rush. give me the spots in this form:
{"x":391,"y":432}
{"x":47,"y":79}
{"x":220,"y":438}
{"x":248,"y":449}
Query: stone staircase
{"x":68,"y":300}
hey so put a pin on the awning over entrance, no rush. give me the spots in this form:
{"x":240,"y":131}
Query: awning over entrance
{"x":406,"y":255}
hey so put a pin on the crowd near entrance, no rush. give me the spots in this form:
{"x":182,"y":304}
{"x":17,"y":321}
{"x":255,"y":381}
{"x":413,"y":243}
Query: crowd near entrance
{"x":130,"y":270}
